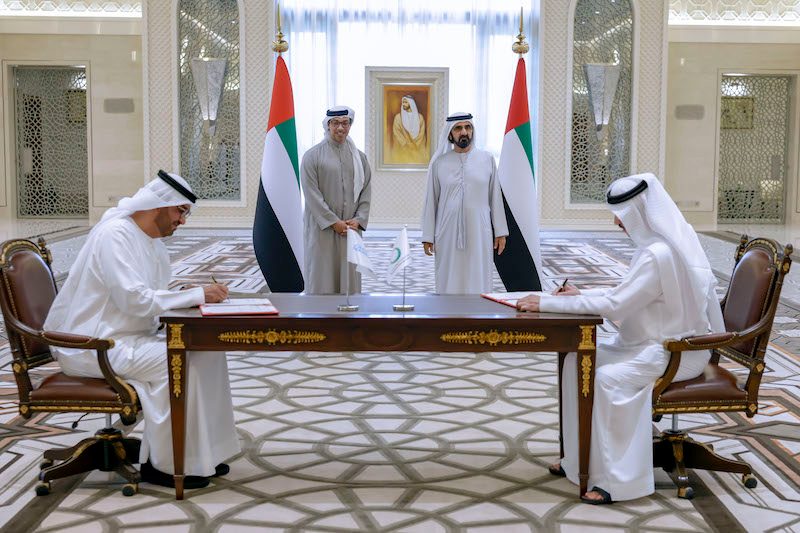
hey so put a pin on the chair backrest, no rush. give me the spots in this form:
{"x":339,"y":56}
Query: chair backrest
{"x":753,"y":294}
{"x":27,"y":293}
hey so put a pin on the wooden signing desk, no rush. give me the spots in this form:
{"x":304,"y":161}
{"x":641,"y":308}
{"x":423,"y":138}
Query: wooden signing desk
{"x":439,"y":323}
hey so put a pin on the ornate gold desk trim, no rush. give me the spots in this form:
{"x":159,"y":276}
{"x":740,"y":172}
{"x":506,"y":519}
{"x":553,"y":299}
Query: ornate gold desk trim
{"x":492,"y":337}
{"x":176,"y":364}
{"x":586,"y":373}
{"x":271,"y":337}
{"x":176,"y":337}
{"x":587,"y":343}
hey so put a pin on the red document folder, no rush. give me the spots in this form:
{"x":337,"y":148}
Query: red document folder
{"x":508,"y":298}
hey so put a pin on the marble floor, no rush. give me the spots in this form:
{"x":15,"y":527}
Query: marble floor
{"x":411,"y":441}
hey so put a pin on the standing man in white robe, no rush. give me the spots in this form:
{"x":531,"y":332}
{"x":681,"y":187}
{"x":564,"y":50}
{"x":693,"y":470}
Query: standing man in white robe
{"x":336,"y":181}
{"x":117,"y":288}
{"x":463,"y":219}
{"x":667,"y":293}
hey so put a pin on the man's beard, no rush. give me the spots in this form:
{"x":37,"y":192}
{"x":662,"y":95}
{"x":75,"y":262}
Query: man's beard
{"x":463,"y":141}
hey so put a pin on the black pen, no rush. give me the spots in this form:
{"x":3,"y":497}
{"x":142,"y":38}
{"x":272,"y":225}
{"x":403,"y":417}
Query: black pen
{"x":563,"y":285}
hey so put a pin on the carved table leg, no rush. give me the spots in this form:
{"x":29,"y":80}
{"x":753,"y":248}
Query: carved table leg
{"x":587,"y":352}
{"x":176,"y":365}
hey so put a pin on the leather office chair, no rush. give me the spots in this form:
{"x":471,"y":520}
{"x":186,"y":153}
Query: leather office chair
{"x":27,"y":292}
{"x":748,"y":309}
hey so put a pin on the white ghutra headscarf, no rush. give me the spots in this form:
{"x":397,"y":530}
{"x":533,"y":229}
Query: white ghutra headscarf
{"x":650,"y":216}
{"x":358,"y":168}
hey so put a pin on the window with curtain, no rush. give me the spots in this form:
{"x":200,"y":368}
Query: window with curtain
{"x":331,"y":41}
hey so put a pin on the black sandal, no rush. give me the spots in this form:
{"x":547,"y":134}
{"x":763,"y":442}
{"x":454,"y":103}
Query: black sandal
{"x":605,"y":497}
{"x":557,"y":471}
{"x":152,"y":475}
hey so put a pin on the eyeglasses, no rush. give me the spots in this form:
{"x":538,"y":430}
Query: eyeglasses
{"x":337,"y":123}
{"x":185,"y":212}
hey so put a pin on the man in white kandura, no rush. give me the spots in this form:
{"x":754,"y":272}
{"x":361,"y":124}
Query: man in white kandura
{"x":408,"y":132}
{"x":463,"y":205}
{"x":117,"y":288}
{"x":667,"y":293}
{"x":336,"y":181}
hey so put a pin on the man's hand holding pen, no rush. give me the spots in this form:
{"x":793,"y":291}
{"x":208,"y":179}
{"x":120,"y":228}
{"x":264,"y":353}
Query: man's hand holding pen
{"x":566,"y":290}
{"x":215,"y":293}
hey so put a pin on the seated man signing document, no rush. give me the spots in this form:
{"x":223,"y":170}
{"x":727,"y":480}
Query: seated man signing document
{"x":667,"y":293}
{"x":117,"y":288}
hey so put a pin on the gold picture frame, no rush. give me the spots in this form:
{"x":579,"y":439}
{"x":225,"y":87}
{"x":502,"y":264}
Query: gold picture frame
{"x":736,"y":113}
{"x":406,"y":107}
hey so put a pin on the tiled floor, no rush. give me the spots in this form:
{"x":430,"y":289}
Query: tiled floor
{"x":412,"y":442}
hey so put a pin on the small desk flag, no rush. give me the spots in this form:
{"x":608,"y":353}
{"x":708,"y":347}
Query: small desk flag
{"x":401,"y":256}
{"x":357,"y":253}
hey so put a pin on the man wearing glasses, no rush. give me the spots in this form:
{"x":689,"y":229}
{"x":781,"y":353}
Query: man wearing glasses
{"x":117,"y":288}
{"x":335,"y":176}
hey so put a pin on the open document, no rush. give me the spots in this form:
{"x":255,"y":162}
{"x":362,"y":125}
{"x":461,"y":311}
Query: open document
{"x":239,"y":306}
{"x":509,"y":298}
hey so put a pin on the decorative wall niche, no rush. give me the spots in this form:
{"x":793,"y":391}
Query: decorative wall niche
{"x":601,"y":97}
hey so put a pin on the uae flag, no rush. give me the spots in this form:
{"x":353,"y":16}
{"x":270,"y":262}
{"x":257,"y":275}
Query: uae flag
{"x":278,"y":225}
{"x":520,"y":263}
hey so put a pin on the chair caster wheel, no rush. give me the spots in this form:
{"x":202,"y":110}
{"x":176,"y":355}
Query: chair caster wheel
{"x":749,"y":481}
{"x":129,"y":489}
{"x":46,"y":463}
{"x":43,"y":488}
{"x":687,"y":493}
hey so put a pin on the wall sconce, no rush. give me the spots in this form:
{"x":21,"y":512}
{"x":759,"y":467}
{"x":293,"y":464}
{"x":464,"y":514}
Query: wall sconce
{"x":601,"y":80}
{"x":209,"y":81}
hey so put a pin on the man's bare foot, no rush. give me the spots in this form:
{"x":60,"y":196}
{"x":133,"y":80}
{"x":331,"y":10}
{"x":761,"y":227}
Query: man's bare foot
{"x":556,"y":470}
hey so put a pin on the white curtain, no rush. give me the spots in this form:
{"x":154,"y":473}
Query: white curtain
{"x":331,"y":41}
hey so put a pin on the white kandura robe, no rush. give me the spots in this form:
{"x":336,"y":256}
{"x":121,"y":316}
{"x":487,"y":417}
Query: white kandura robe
{"x":327,"y":176}
{"x":621,"y":458}
{"x":123,"y":290}
{"x":463,"y":196}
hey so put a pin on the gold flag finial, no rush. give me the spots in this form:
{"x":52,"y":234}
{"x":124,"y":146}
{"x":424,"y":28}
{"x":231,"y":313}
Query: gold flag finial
{"x":520,"y":47}
{"x":279,"y":45}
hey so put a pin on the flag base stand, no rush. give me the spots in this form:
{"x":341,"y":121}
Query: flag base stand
{"x":403,"y":307}
{"x":348,"y":307}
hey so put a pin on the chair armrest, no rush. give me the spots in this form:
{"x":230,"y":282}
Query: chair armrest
{"x":701,"y":342}
{"x":69,"y":340}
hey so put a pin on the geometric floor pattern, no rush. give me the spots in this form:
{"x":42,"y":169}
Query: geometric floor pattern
{"x":417,"y":441}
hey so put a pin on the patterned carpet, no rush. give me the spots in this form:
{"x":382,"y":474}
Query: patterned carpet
{"x":408,"y":441}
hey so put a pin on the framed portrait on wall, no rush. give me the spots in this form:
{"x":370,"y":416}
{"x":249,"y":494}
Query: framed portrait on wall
{"x":405,"y":109}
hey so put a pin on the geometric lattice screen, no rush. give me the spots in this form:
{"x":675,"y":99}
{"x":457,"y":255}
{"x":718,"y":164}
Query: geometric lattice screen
{"x":603,"y":33}
{"x":733,"y":11}
{"x":51,"y":146}
{"x":210,"y":163}
{"x":753,"y":148}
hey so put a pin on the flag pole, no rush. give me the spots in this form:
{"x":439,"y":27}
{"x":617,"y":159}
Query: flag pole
{"x":347,"y":306}
{"x":520,"y":46}
{"x":404,"y":306}
{"x":279,"y":45}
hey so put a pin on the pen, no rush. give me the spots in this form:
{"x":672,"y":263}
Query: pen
{"x":563,"y":285}
{"x":214,"y":280}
